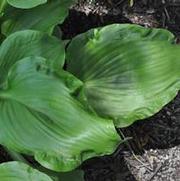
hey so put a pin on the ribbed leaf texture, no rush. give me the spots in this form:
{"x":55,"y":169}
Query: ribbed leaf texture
{"x":129,"y":72}
{"x":30,"y":43}
{"x":39,"y":116}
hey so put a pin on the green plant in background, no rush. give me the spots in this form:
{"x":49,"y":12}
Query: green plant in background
{"x":115,"y":75}
{"x":39,"y":15}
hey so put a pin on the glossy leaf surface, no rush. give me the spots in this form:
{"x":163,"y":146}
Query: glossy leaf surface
{"x":40,"y":116}
{"x":30,"y":43}
{"x":128,"y":75}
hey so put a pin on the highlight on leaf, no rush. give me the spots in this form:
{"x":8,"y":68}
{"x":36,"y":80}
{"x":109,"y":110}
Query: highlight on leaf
{"x":39,"y":117}
{"x":114,"y":76}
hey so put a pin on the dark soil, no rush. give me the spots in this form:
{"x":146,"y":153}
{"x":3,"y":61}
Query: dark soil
{"x":4,"y":156}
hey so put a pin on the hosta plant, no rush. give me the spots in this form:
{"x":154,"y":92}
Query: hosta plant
{"x":39,"y":112}
{"x":64,"y":111}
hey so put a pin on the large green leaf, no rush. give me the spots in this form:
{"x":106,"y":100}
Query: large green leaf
{"x":17,"y":171}
{"x":125,"y":80}
{"x":26,"y":4}
{"x":30,"y":43}
{"x":40,"y":116}
{"x":42,"y":18}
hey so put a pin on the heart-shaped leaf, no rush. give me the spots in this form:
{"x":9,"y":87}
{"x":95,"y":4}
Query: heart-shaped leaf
{"x":40,"y":116}
{"x":128,"y":75}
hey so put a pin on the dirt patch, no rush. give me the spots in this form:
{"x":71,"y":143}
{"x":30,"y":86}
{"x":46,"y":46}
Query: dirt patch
{"x":4,"y":156}
{"x":156,"y":165}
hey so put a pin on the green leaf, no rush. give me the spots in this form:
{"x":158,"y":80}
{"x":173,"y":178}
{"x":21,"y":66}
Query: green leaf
{"x":3,"y":4}
{"x":125,"y":79}
{"x":42,"y":18}
{"x":17,"y":171}
{"x":39,"y":116}
{"x":26,"y":4}
{"x":30,"y":43}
